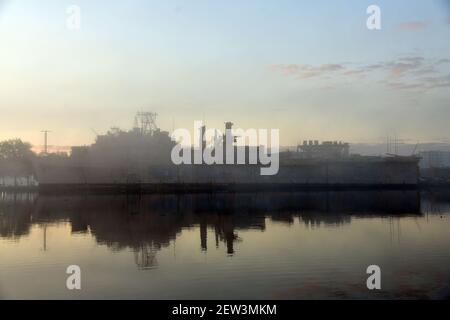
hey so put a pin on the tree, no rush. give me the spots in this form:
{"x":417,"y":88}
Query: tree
{"x":16,"y":158}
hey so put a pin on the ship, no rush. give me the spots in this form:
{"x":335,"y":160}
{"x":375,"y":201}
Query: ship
{"x":139,"y":160}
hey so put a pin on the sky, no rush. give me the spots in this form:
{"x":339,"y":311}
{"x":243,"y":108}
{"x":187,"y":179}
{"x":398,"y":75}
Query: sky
{"x":309,"y":68}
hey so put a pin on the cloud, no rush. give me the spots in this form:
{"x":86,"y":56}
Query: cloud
{"x":374,"y":66}
{"x":289,"y":69}
{"x":403,"y":65}
{"x":422,"y":84}
{"x":405,"y":86}
{"x":437,"y":82}
{"x":304,"y":71}
{"x":400,"y":67}
{"x":411,"y":26}
{"x":442,"y":61}
{"x":403,"y":73}
{"x":425,"y":71}
{"x":355,"y":72}
{"x":417,"y":75}
{"x":415,"y":60}
{"x":396,"y":68}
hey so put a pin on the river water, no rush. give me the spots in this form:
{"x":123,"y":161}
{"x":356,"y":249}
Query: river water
{"x":303,"y":245}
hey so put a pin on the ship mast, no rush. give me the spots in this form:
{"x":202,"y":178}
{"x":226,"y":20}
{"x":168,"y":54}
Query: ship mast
{"x":145,"y":122}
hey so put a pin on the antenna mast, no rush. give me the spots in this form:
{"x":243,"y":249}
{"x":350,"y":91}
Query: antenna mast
{"x":45,"y":140}
{"x":145,"y":122}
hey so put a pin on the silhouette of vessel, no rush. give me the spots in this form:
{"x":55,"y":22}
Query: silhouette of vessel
{"x":140,"y":160}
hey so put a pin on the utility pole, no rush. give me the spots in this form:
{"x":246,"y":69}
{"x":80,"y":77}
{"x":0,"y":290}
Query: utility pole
{"x":45,"y":237}
{"x":45,"y":140}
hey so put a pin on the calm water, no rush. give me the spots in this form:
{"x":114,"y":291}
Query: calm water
{"x":226,"y":246}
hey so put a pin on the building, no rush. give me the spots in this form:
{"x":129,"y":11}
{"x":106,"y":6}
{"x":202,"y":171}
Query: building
{"x":434,"y":159}
{"x":325,"y":150}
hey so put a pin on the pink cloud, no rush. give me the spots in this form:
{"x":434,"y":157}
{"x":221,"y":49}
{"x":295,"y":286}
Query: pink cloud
{"x":358,"y":72}
{"x":403,"y":65}
{"x":304,"y":71}
{"x":412,"y":26}
{"x":403,"y":73}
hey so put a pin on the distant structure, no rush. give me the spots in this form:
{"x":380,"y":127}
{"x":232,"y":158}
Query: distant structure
{"x":145,"y":122}
{"x":434,"y":159}
{"x":46,"y":132}
{"x":245,"y":149}
{"x":79,"y":152}
{"x":126,"y":150}
{"x":312,"y":149}
{"x":140,"y":159}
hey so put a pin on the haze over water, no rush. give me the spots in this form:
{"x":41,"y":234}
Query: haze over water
{"x":226,"y":246}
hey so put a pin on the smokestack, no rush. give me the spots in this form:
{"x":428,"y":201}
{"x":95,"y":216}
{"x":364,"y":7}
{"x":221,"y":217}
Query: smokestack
{"x":203,"y":138}
{"x":228,"y":125}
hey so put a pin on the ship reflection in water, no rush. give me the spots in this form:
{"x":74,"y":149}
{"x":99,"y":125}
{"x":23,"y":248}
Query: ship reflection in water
{"x":301,"y":245}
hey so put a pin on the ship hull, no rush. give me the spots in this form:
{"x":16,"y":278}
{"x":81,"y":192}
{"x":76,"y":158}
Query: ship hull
{"x":305,"y":174}
{"x":152,"y":188}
